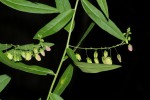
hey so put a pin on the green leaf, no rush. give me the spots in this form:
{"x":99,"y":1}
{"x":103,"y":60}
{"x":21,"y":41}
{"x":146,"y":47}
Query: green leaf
{"x":55,"y":25}
{"x":4,"y":46}
{"x":4,"y":80}
{"x":63,"y":5}
{"x":97,"y":16}
{"x":64,"y":80}
{"x":71,"y":54}
{"x":27,"y":6}
{"x":104,"y":7}
{"x":34,"y":69}
{"x":95,"y":68}
{"x":54,"y":96}
{"x":67,"y":28}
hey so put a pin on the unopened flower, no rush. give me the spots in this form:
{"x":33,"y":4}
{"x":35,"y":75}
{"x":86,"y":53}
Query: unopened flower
{"x":107,"y":60}
{"x":130,"y":47}
{"x":105,"y":53}
{"x":47,"y":48}
{"x":78,"y":56}
{"x":9,"y":55}
{"x":119,"y":57}
{"x":35,"y":50}
{"x":37,"y":57}
{"x":96,"y":60}
{"x":95,"y":54}
{"x":42,"y":52}
{"x":28,"y":56}
{"x":88,"y":60}
{"x":23,"y":54}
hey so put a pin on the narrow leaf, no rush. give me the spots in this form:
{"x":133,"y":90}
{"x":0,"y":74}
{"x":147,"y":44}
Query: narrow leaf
{"x":71,"y":54}
{"x":97,"y":16}
{"x":34,"y":69}
{"x":55,"y":25}
{"x":4,"y":80}
{"x":67,"y":28}
{"x":95,"y":68}
{"x":63,"y":5}
{"x":30,"y":7}
{"x":64,"y":80}
{"x":54,"y":96}
{"x":104,"y":7}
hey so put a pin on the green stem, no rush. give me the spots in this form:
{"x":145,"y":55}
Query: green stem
{"x":67,"y":45}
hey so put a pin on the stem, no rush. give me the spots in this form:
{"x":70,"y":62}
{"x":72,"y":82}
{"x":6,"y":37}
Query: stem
{"x":67,"y":45}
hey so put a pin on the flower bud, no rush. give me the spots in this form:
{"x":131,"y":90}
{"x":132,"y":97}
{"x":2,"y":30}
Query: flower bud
{"x":105,"y":53}
{"x":42,"y":52}
{"x":47,"y":48}
{"x":23,"y":54}
{"x":95,"y":54}
{"x":37,"y":57}
{"x":9,"y":55}
{"x":130,"y":47}
{"x":107,"y":60}
{"x":78,"y":56}
{"x":96,"y":60}
{"x":28,"y":56}
{"x":35,"y":50}
{"x":88,"y":60}
{"x":119,"y":57}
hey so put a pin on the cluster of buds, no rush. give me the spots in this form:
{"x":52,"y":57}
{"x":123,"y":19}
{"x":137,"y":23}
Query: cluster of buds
{"x":106,"y":59}
{"x":17,"y":55}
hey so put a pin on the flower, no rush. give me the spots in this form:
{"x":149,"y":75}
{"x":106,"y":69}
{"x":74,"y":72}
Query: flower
{"x":37,"y":57}
{"x":78,"y":56}
{"x":42,"y":52}
{"x":130,"y":47}
{"x":47,"y":48}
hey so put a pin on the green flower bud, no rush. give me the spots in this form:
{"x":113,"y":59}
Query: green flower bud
{"x":9,"y":55}
{"x":88,"y":60}
{"x":119,"y":57}
{"x":28,"y":56}
{"x":108,"y":60}
{"x":23,"y":54}
{"x":105,"y":53}
{"x":37,"y":57}
{"x":96,"y":60}
{"x":78,"y":56}
{"x":35,"y":50}
{"x":95,"y":54}
{"x":42,"y":52}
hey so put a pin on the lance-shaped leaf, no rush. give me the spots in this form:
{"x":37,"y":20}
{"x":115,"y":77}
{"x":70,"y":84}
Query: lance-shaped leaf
{"x":4,"y":80}
{"x":34,"y":69}
{"x":67,"y":27}
{"x":30,"y":7}
{"x":4,"y":46}
{"x":71,"y":54}
{"x":97,"y":16}
{"x":104,"y":7}
{"x":64,"y":80}
{"x":55,"y":25}
{"x":63,"y":5}
{"x":95,"y":68}
{"x":54,"y":96}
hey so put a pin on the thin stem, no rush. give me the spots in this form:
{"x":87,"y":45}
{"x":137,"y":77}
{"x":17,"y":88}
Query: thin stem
{"x":67,"y":45}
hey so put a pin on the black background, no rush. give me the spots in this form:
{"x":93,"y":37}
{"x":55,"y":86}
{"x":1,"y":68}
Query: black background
{"x":131,"y":81}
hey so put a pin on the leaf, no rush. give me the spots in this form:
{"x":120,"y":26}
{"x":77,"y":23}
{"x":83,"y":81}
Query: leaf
{"x":55,"y":25}
{"x":4,"y":46}
{"x":63,"y":5}
{"x":27,"y":6}
{"x":34,"y":69}
{"x":103,"y":5}
{"x":67,"y":28}
{"x":95,"y":68}
{"x":97,"y":16}
{"x":64,"y":80}
{"x":71,"y":54}
{"x":4,"y":80}
{"x":54,"y":96}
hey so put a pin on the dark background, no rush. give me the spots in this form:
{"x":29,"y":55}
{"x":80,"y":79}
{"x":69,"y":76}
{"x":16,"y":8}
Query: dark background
{"x":131,"y":81}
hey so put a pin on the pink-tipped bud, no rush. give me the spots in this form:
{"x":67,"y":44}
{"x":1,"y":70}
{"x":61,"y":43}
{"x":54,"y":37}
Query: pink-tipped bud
{"x":37,"y":57}
{"x":42,"y":52}
{"x":130,"y":47}
{"x":47,"y":48}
